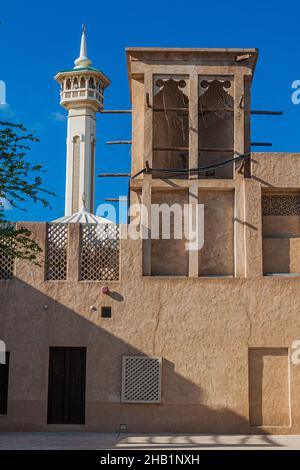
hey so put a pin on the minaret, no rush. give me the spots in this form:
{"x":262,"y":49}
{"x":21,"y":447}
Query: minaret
{"x":82,"y":90}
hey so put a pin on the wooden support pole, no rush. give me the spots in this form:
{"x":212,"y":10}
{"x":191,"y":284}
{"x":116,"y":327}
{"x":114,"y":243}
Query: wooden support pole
{"x":261,"y":144}
{"x":113,"y":175}
{"x":116,"y":111}
{"x":242,"y":57}
{"x":115,"y":199}
{"x":118,"y":142}
{"x":267,"y":113}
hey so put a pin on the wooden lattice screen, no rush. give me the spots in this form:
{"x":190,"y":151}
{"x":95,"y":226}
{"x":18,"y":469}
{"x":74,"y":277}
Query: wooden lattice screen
{"x":56,"y":252}
{"x":99,"y":254}
{"x":6,"y":267}
{"x":7,"y":263}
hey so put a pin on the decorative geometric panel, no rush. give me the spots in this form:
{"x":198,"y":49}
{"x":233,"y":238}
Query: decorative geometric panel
{"x":100,"y":249}
{"x":56,"y":252}
{"x":6,"y":267}
{"x":141,"y":379}
{"x":281,"y":204}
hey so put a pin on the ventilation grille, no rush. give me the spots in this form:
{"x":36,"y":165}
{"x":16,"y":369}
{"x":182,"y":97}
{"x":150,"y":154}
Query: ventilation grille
{"x":100,"y":249}
{"x":141,"y":379}
{"x":56,"y":252}
{"x":281,"y":204}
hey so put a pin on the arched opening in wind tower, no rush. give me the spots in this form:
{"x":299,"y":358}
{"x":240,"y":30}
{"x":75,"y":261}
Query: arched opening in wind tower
{"x":215,"y":127}
{"x":170,"y":127}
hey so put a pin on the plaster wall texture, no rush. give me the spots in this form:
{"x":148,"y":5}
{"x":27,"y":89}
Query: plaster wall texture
{"x":202,"y":328}
{"x":170,"y":257}
{"x":216,"y":257}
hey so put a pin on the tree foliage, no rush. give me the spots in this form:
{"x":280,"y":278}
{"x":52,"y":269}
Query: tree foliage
{"x":20,"y":181}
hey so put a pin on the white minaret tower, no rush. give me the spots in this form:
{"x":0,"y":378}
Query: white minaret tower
{"x":82,"y":90}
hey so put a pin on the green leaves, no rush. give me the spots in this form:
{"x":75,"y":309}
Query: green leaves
{"x":19,"y":181}
{"x":16,"y":243}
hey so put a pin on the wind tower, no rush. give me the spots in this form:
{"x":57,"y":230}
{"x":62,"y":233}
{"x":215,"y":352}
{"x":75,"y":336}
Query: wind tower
{"x":82,"y":94}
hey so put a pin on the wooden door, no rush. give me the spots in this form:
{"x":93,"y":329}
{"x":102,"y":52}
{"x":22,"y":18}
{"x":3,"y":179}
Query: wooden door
{"x":66,"y":392}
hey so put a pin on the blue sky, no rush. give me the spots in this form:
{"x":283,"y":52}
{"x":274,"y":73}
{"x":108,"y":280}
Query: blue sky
{"x":40,"y":38}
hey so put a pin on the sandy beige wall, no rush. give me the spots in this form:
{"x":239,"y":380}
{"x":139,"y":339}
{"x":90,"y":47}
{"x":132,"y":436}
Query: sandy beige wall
{"x":217,"y":255}
{"x":169,"y":256}
{"x":203,"y":328}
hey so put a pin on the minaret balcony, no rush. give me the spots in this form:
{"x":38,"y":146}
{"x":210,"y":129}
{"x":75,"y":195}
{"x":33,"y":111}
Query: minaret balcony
{"x":81,"y":94}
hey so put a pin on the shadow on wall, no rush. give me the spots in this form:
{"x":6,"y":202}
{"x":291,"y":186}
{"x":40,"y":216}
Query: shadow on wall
{"x":31,"y":321}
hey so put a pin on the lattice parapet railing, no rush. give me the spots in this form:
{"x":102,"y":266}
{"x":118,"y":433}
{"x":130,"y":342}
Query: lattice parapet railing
{"x":141,"y":379}
{"x":56,"y":252}
{"x":7,"y":263}
{"x":6,"y":268}
{"x":100,"y":251}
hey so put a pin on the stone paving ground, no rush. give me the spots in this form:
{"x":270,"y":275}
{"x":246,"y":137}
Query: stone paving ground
{"x":64,"y":440}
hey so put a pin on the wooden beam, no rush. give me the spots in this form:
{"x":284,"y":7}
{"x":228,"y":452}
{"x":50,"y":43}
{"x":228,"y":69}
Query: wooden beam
{"x":119,"y":142}
{"x":240,"y":58}
{"x":113,"y":175}
{"x":116,"y":111}
{"x":261,"y":144}
{"x":267,"y":113}
{"x":116,"y":199}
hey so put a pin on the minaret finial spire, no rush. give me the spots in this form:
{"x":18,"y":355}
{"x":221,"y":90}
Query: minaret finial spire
{"x":83,"y":60}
